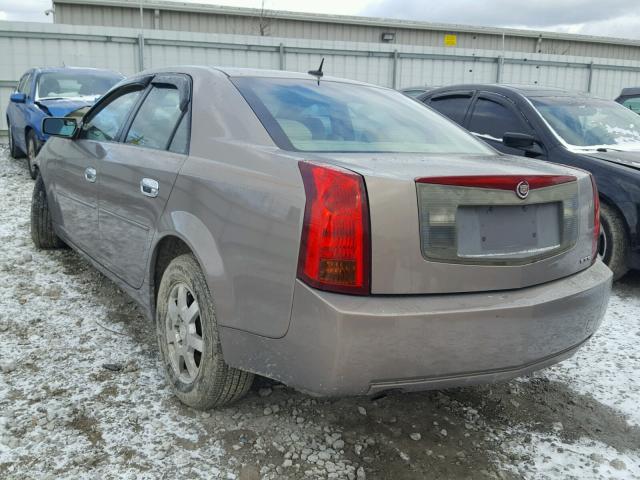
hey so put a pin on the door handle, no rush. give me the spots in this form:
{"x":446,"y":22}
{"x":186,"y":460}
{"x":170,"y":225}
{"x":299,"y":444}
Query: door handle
{"x":90,"y":174}
{"x":149,"y":187}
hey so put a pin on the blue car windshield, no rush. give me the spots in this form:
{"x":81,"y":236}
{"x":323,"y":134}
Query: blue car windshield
{"x":590,"y":122}
{"x":74,"y":84}
{"x":331,"y":116}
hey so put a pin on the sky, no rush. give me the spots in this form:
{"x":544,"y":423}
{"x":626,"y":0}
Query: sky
{"x":616,"y":18}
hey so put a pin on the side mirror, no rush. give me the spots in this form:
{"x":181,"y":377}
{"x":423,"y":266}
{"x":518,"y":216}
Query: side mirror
{"x":59,"y":127}
{"x":522,"y":141}
{"x":18,"y":97}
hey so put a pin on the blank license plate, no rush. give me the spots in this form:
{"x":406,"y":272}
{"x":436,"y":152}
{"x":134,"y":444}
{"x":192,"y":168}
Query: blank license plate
{"x":508,"y":231}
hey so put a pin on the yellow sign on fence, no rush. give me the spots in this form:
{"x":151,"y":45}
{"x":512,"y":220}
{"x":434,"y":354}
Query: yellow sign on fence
{"x":450,"y":40}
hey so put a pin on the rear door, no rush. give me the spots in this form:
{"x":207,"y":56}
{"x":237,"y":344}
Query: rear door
{"x":494,"y":115}
{"x":76,"y":170}
{"x":138,"y":173}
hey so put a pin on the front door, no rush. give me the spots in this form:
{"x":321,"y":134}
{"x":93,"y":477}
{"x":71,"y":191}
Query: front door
{"x":138,"y":174}
{"x":77,"y":173}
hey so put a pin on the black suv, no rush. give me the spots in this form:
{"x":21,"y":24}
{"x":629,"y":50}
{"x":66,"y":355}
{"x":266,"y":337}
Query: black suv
{"x":564,"y":127}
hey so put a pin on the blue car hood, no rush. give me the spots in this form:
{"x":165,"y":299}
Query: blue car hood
{"x":63,"y":106}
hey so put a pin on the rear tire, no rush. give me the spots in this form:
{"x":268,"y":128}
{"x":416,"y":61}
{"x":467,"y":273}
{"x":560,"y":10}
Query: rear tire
{"x":42,"y":233}
{"x":14,"y":151}
{"x":32,"y":152}
{"x":613,"y":247}
{"x":189,"y":343}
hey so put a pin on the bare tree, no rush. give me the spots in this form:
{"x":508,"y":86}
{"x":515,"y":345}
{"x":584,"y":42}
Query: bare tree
{"x":265,"y":22}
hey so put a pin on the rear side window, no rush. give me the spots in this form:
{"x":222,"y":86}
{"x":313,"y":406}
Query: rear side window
{"x":453,"y":106}
{"x":493,"y":119}
{"x":109,"y":120}
{"x":180,"y":142}
{"x":156,"y":119}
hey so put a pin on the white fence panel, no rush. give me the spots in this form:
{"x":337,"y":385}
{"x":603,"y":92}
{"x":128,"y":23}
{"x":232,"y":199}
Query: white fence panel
{"x":25,"y":45}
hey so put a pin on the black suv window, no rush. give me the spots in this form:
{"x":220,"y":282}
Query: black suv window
{"x":156,"y":120}
{"x":108,"y":121}
{"x":494,"y":119}
{"x":632,"y":103}
{"x":453,"y":106}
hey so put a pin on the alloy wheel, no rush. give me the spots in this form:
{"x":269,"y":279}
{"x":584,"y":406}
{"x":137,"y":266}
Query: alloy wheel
{"x":183,"y":331}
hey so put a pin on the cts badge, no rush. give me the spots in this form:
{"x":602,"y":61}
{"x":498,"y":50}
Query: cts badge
{"x":522,"y":189}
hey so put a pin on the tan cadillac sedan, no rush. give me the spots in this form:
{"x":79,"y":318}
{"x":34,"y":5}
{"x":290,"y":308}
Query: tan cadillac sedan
{"x":332,"y":235}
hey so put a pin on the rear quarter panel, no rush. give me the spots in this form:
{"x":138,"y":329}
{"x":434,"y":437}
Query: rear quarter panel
{"x":239,"y":205}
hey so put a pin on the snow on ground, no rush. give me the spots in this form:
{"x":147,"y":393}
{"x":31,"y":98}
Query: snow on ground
{"x":82,"y":396}
{"x":607,"y":367}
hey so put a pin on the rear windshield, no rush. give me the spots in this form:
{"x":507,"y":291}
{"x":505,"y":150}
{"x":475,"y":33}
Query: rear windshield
{"x":340,"y":117}
{"x":74,"y":84}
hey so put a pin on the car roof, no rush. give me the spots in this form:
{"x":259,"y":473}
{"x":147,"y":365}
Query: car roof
{"x":630,"y":91}
{"x":264,"y":73}
{"x":421,"y":87}
{"x":74,"y":69}
{"x":528,"y":91}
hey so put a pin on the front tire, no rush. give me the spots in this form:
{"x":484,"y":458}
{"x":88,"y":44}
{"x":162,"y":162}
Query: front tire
{"x":32,"y":152}
{"x":613,"y":247}
{"x":42,"y":233}
{"x":14,"y":151}
{"x":189,"y":343}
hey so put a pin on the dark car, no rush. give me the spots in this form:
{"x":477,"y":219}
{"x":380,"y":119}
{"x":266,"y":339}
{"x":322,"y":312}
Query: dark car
{"x":50,"y":92}
{"x":569,"y":128}
{"x":630,"y":98}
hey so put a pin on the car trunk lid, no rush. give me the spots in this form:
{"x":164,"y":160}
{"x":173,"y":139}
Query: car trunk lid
{"x":434,"y":231}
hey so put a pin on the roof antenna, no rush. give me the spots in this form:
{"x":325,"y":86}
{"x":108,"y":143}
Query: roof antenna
{"x":317,"y":73}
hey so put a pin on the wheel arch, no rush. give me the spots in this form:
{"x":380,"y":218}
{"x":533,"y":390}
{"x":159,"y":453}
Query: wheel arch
{"x":183,"y":232}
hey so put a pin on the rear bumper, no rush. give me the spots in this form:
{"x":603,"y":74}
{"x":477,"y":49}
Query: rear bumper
{"x":347,"y":345}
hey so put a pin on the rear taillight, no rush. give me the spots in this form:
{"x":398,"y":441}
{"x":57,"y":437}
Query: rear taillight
{"x":596,"y":220}
{"x":335,"y":249}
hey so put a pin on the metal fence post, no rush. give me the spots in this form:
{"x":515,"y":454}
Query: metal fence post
{"x":500,"y":68}
{"x":281,"y":53}
{"x":140,"y":52}
{"x":590,"y":79}
{"x":394,"y":80}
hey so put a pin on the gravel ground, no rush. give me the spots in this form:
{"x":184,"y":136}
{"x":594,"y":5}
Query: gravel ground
{"x":82,"y":396}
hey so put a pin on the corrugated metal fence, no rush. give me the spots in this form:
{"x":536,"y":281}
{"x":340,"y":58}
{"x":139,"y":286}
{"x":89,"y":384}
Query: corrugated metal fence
{"x":24,"y":45}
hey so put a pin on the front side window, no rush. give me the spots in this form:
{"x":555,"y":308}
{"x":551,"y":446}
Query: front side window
{"x":156,"y":120}
{"x":492,"y":119}
{"x":107,"y":122}
{"x":632,"y":104}
{"x":453,"y":106}
{"x":23,"y":83}
{"x":303,"y":115}
{"x":590,"y":122}
{"x":74,"y":84}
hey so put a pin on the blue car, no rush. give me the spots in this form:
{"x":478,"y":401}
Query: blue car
{"x":55,"y":92}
